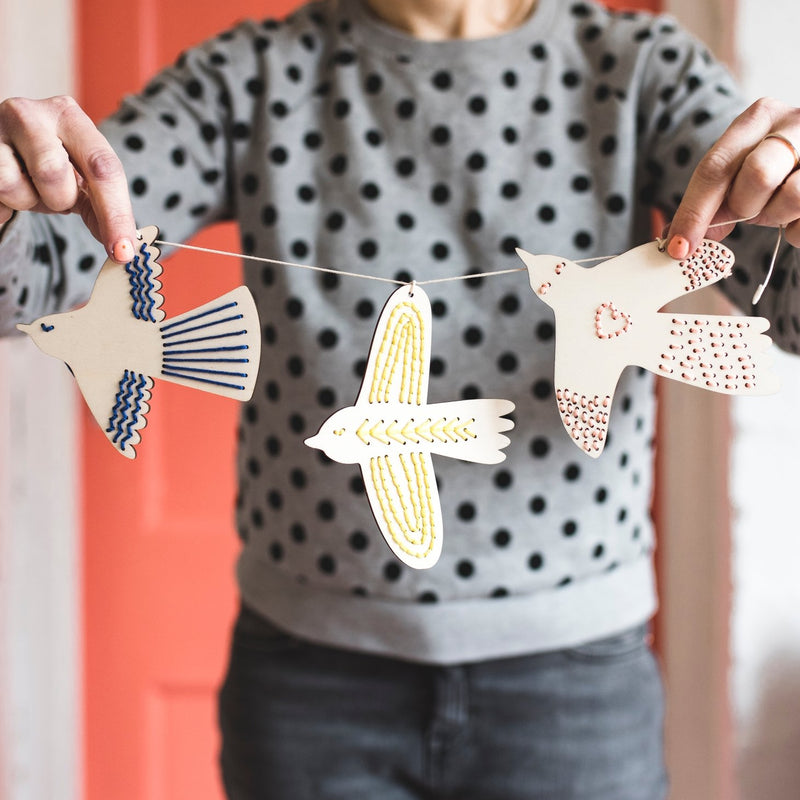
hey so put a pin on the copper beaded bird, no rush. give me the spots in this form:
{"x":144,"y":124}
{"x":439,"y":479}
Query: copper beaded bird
{"x":608,"y":317}
{"x":392,"y":430}
{"x":119,"y":342}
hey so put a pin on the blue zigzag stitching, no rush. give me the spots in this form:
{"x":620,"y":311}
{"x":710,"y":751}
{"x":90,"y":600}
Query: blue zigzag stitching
{"x":134,"y":271}
{"x":114,"y":419}
{"x":150,"y":286}
{"x":133,"y":418}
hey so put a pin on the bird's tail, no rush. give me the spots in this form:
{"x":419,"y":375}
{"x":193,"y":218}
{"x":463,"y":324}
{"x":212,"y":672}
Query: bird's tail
{"x":470,"y":430}
{"x":724,"y":354}
{"x":215,"y":347}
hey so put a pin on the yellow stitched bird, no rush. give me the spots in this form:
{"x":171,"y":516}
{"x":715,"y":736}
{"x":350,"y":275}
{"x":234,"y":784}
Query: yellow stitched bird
{"x":608,"y":317}
{"x":392,"y":430}
{"x":118,"y":342}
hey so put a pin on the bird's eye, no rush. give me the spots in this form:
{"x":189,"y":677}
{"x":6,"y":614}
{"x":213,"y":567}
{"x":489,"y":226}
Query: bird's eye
{"x":47,"y":328}
{"x":339,"y":432}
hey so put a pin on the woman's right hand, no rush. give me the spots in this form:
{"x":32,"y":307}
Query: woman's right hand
{"x":54,"y":160}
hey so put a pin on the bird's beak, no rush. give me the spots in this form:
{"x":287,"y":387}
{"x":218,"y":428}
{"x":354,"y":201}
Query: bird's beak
{"x":312,"y":442}
{"x":25,"y":328}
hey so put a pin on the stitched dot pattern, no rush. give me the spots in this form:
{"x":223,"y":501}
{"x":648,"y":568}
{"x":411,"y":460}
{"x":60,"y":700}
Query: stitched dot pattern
{"x":313,"y":139}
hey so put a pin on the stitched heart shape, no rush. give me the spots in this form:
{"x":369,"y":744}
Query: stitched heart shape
{"x":610,"y":321}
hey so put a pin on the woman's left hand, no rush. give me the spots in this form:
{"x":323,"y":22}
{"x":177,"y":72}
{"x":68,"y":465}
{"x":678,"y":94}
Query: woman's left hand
{"x":751,"y":172}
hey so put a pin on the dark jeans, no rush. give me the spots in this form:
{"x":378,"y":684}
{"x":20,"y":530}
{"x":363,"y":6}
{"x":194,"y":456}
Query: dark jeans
{"x":304,"y":722}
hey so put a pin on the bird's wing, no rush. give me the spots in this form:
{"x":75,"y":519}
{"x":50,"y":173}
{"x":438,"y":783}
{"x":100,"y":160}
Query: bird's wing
{"x":215,"y":347}
{"x":133,"y":288}
{"x":402,"y":494}
{"x":585,"y":387}
{"x":399,"y":357}
{"x":645,"y":279}
{"x":120,"y":405}
{"x":724,"y":354}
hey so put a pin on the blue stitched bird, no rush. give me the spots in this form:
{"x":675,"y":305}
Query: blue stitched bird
{"x":392,"y":430}
{"x":119,"y":341}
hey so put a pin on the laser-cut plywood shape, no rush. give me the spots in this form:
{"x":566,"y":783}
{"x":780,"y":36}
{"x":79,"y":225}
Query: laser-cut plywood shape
{"x":392,"y":430}
{"x":119,"y":342}
{"x":608,"y":317}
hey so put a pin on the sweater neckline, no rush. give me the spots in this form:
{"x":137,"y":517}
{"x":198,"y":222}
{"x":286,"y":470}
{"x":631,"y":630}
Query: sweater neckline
{"x":373,"y":33}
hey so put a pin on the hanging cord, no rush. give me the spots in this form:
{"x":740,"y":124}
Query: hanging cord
{"x":471,"y":276}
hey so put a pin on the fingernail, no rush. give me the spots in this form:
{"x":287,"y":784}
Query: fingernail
{"x":123,"y":251}
{"x":678,"y":247}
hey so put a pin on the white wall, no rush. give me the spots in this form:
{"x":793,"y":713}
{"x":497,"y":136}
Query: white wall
{"x":39,"y":611}
{"x":765,"y":622}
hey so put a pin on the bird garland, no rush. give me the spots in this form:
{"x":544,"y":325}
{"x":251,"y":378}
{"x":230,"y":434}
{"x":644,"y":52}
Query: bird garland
{"x":607,"y":317}
{"x":119,"y":342}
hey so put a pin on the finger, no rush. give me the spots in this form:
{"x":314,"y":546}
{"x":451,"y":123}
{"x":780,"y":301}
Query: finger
{"x":714,"y":175}
{"x":16,"y":190}
{"x":48,"y":168}
{"x":783,"y":207}
{"x":792,"y":234}
{"x":105,"y":183}
{"x":762,"y":174}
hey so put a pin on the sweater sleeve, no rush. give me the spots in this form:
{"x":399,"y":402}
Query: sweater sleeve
{"x":687,"y":101}
{"x":178,"y":144}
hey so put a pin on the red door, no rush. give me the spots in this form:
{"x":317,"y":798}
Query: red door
{"x":159,"y":545}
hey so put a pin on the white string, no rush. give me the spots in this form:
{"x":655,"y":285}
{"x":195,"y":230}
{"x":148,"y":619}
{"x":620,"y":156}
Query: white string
{"x":276,"y":261}
{"x":471,"y":276}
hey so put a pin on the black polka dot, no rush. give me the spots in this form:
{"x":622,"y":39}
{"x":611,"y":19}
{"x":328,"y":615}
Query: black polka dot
{"x":440,"y":193}
{"x":428,"y":597}
{"x":571,"y":79}
{"x":473,"y":336}
{"x":545,"y":331}
{"x":440,"y":135}
{"x":373,"y":83}
{"x":442,"y":80}
{"x":313,"y":140}
{"x":581,"y":183}
{"x":439,"y":308}
{"x":298,"y":479}
{"x":134,"y":143}
{"x":569,"y":528}
{"x":466,"y":511}
{"x":326,"y":564}
{"x":326,"y":397}
{"x":542,"y":389}
{"x":601,"y":495}
{"x":509,"y":304}
{"x":577,"y":131}
{"x":476,"y":161}
{"x":405,"y":167}
{"x":510,"y":190}
{"x":392,"y":571}
{"x":572,"y":472}
{"x":536,"y":561}
{"x":541,"y":105}
{"x":273,"y":446}
{"x":368,"y":249}
{"x":338,"y":164}
{"x":470,"y":392}
{"x":405,"y":108}
{"x":405,"y":221}
{"x":473,"y":219}
{"x":503,"y":479}
{"x":544,"y":158}
{"x":537,"y":504}
{"x":508,"y":362}
{"x":276,"y":551}
{"x":598,"y":551}
{"x":465,"y":569}
{"x":326,"y":510}
{"x":477,"y":104}
{"x":540,"y":447}
{"x":510,"y":78}
{"x":358,"y":541}
{"x":510,"y":135}
{"x":501,"y":538}
{"x":440,"y":251}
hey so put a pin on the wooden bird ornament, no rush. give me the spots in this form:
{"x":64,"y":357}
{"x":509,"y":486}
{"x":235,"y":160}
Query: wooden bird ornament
{"x":119,"y":342}
{"x":608,"y":317}
{"x":392,"y":430}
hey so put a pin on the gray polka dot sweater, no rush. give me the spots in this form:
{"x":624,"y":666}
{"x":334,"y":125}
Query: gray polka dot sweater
{"x":333,"y":139}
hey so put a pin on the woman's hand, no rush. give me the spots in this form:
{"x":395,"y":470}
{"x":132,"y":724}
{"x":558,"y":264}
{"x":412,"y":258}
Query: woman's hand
{"x":54,"y":160}
{"x":744,"y":175}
